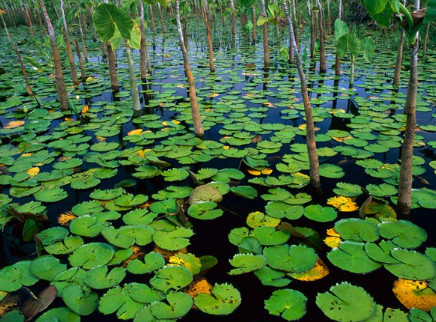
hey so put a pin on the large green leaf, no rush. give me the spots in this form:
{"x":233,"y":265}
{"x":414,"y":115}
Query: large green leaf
{"x":430,"y":15}
{"x":80,"y":301}
{"x":341,"y":28}
{"x":375,"y":7}
{"x":347,"y":43}
{"x":287,"y":303}
{"x":171,"y":278}
{"x":223,"y":300}
{"x":412,"y":265}
{"x":245,"y":263}
{"x":346,"y":302}
{"x":107,"y":17}
{"x":295,"y":259}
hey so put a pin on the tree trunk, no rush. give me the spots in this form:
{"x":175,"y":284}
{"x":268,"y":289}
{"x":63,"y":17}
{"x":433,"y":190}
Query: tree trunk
{"x":322,"y":59}
{"x":233,"y":17}
{"x":206,"y":15}
{"x":185,"y":32}
{"x":67,"y":42}
{"x":405,"y":181}
{"x":6,"y":28}
{"x":399,"y":61}
{"x":424,"y":50}
{"x":153,"y":26}
{"x":196,"y":118}
{"x":59,"y":75}
{"x":337,"y":60}
{"x":312,"y":36}
{"x":26,"y":80}
{"x":353,"y":60}
{"x":310,"y":125}
{"x":159,"y":9}
{"x":222,"y":16}
{"x":329,"y":20}
{"x":142,"y":50}
{"x":30,"y":19}
{"x":254,"y":22}
{"x":112,"y":68}
{"x":82,"y":67}
{"x":82,"y":38}
{"x":266,"y":58}
{"x":133,"y":86}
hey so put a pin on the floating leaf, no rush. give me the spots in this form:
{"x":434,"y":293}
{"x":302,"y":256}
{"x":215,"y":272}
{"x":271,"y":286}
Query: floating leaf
{"x":320,"y":213}
{"x":294,"y":259}
{"x":204,"y":193}
{"x":173,"y":240}
{"x":287,"y":303}
{"x":413,"y":265}
{"x":223,"y":300}
{"x":414,"y":294}
{"x":99,"y":278}
{"x":171,"y":277}
{"x":245,"y":263}
{"x":204,"y":211}
{"x":346,"y":302}
{"x":78,"y":300}
{"x":403,"y":233}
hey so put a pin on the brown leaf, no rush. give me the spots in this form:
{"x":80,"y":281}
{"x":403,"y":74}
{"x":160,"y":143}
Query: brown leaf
{"x":34,"y":306}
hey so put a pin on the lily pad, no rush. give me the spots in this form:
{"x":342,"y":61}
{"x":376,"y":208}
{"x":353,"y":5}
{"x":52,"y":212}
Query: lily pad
{"x":287,"y":303}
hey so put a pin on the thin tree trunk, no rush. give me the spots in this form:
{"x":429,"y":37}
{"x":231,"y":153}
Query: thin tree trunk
{"x":161,"y":18}
{"x":67,"y":42}
{"x":337,"y":60}
{"x":142,"y":50}
{"x":424,"y":50}
{"x":206,"y":15}
{"x":185,"y":32}
{"x":196,"y":118}
{"x":233,"y":17}
{"x":112,"y":68}
{"x":23,"y":70}
{"x":353,"y":60}
{"x":38,"y":15}
{"x":59,"y":75}
{"x":406,"y":178}
{"x":82,"y":67}
{"x":310,"y":125}
{"x":82,"y":38}
{"x":153,"y":25}
{"x":266,"y":58}
{"x":254,"y":22}
{"x":104,"y":50}
{"x":6,"y":28}
{"x":222,"y":16}
{"x":406,"y":174}
{"x":399,"y":61}
{"x":133,"y":86}
{"x":329,"y":21}
{"x":30,"y":20}
{"x":322,"y":59}
{"x":312,"y":35}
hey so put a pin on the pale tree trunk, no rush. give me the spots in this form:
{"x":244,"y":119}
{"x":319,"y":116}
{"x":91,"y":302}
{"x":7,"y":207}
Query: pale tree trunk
{"x":26,"y":80}
{"x":134,"y":87}
{"x":142,"y":51}
{"x":233,"y":17}
{"x":337,"y":60}
{"x":82,"y":39}
{"x":67,"y":42}
{"x":254,"y":22}
{"x":27,"y":9}
{"x":82,"y":67}
{"x":161,"y":18}
{"x":112,"y":67}
{"x":59,"y":75}
{"x":424,"y":50}
{"x":196,"y":118}
{"x":310,"y":125}
{"x":405,"y":182}
{"x":185,"y":32}
{"x":206,"y":15}
{"x":329,"y":20}
{"x":322,"y":59}
{"x":6,"y":27}
{"x":353,"y":60}
{"x":266,"y":58}
{"x":399,"y":60}
{"x":153,"y":25}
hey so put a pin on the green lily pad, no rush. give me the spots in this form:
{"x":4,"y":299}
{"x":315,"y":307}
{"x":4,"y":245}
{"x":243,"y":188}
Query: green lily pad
{"x":346,"y":302}
{"x":178,"y":304}
{"x":61,"y":314}
{"x":223,"y":300}
{"x":287,"y":303}
{"x":91,"y":255}
{"x":173,"y":240}
{"x":204,"y":211}
{"x":357,"y":230}
{"x":51,"y":195}
{"x":99,"y":278}
{"x":412,"y":265}
{"x":171,"y":278}
{"x":403,"y":233}
{"x":152,"y":261}
{"x":272,"y":277}
{"x":47,"y":267}
{"x":294,"y":259}
{"x":80,"y":301}
{"x":351,"y":256}
{"x":245,"y":263}
{"x":126,"y":236}
{"x":320,"y":213}
{"x":244,"y":191}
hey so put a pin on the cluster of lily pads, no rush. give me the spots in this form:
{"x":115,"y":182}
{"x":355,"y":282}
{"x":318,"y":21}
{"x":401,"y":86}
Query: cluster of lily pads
{"x":122,"y":251}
